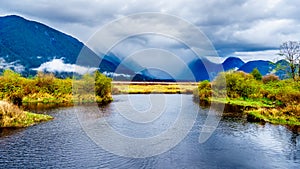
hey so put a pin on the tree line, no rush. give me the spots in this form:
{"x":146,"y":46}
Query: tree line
{"x":46,"y":88}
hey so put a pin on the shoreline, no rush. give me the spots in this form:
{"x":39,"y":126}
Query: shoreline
{"x":269,"y":99}
{"x":257,"y":111}
{"x":120,"y":87}
{"x":13,"y":117}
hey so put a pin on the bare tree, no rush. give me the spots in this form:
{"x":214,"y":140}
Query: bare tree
{"x":298,"y":62}
{"x":291,"y":51}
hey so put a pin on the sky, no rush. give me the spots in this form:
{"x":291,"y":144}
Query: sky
{"x":249,"y":29}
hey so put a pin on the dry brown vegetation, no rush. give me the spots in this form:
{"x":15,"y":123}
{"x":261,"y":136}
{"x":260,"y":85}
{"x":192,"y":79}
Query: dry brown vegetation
{"x":12,"y":116}
{"x":153,"y":87}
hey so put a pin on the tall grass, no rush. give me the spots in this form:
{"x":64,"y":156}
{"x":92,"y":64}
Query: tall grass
{"x":12,"y":116}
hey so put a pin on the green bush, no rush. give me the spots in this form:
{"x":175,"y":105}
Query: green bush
{"x":204,"y":90}
{"x":237,"y":84}
{"x":102,"y":88}
{"x":256,"y":74}
{"x":277,"y":101}
{"x":102,"y":85}
{"x":11,"y":87}
{"x":46,"y":88}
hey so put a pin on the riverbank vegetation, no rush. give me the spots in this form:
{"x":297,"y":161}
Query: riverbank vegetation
{"x":46,"y":88}
{"x":267,"y":98}
{"x":12,"y":116}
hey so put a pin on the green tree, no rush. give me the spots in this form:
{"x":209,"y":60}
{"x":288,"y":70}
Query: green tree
{"x":256,"y":74}
{"x":238,"y":84}
{"x":204,"y":90}
{"x":102,"y":85}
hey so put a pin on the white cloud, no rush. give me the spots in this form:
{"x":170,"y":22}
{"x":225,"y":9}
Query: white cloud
{"x":113,"y":75}
{"x":216,"y":59}
{"x":58,"y":65}
{"x":270,"y":55}
{"x":269,"y":33}
{"x":11,"y":65}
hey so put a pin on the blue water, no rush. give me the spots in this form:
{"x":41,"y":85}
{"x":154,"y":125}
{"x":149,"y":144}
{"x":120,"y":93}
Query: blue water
{"x":64,"y":143}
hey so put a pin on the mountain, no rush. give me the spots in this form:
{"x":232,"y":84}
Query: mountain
{"x":203,"y":69}
{"x":282,"y":67}
{"x":232,"y":63}
{"x":25,"y":45}
{"x":263,"y":66}
{"x":116,"y":65}
{"x":32,"y":43}
{"x":199,"y":67}
{"x":152,"y":74}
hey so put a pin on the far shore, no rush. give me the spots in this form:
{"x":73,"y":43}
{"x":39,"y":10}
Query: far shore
{"x":132,"y":87}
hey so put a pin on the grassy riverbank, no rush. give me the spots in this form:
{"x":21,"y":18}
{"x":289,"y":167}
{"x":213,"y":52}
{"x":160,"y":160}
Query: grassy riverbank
{"x":12,"y":116}
{"x":268,"y":99}
{"x":153,"y":87}
{"x":46,"y":88}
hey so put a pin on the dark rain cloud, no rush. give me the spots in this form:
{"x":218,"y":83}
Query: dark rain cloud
{"x":232,"y":25}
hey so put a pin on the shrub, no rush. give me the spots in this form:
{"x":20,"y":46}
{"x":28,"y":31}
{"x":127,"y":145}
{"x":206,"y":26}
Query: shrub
{"x":204,"y":90}
{"x":11,"y":86}
{"x":45,"y":82}
{"x":256,"y":74}
{"x":102,"y":85}
{"x":237,"y":84}
{"x":9,"y":114}
{"x":270,"y":78}
{"x":47,"y":88}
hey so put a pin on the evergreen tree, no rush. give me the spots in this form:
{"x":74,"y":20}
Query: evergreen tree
{"x":256,"y":74}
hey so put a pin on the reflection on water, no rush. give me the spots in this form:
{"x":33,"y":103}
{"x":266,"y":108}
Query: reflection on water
{"x":62,"y":143}
{"x":4,"y":132}
{"x":41,"y":107}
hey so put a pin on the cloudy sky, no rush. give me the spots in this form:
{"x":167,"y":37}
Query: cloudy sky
{"x":250,"y":29}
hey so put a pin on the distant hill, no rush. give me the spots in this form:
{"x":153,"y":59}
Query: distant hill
{"x":199,"y":67}
{"x":25,"y":45}
{"x":204,"y":69}
{"x":232,"y":63}
{"x":32,"y":43}
{"x":282,"y":69}
{"x":152,"y":74}
{"x":264,"y":67}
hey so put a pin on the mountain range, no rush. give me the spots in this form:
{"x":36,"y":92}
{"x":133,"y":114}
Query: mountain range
{"x":29,"y":46}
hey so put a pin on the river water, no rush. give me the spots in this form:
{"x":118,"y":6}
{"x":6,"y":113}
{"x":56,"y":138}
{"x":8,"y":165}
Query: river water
{"x":66,"y":141}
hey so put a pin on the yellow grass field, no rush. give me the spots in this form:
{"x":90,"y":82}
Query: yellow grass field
{"x":122,"y":87}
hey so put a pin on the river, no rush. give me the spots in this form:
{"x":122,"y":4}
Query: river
{"x":66,"y":141}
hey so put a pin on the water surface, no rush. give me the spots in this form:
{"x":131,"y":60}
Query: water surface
{"x":62,"y":142}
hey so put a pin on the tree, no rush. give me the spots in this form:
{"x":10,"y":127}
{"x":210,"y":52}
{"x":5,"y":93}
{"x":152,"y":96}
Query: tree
{"x":102,"y":85}
{"x":256,"y":74}
{"x":238,"y":84}
{"x":298,"y":59}
{"x":291,"y":51}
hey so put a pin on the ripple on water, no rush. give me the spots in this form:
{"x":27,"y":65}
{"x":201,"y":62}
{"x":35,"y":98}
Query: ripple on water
{"x":62,"y":143}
